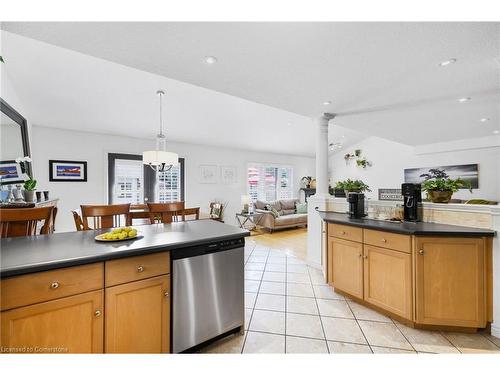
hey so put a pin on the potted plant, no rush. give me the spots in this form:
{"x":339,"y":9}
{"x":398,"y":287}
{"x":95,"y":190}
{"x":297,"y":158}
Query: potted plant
{"x":349,"y":185}
{"x":29,"y":190}
{"x":440,"y":187}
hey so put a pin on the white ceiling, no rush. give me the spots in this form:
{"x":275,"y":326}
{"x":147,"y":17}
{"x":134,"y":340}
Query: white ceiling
{"x":382,"y":78}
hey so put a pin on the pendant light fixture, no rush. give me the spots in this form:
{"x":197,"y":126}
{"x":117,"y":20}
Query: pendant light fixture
{"x":160,"y":160}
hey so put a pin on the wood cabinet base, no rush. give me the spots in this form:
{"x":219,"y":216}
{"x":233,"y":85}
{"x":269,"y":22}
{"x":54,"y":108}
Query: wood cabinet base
{"x":407,"y":322}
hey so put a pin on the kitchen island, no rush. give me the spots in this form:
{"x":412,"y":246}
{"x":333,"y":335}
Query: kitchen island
{"x":67,"y":292}
{"x":427,"y":275}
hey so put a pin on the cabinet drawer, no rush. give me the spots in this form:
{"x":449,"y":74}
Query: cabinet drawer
{"x":45,"y":286}
{"x":137,"y":268}
{"x":388,"y":240}
{"x":346,"y":232}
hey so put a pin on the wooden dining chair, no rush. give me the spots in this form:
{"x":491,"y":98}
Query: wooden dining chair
{"x":78,"y":220}
{"x":105,"y":216}
{"x":165,"y":212}
{"x":195,"y":211}
{"x":217,"y":211}
{"x":17,"y":222}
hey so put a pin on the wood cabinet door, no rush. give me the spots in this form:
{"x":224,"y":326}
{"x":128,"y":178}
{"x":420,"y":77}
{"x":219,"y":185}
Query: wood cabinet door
{"x":138,"y":317}
{"x":347,"y":266}
{"x":450,"y":281}
{"x":388,"y":280}
{"x":66,"y":325}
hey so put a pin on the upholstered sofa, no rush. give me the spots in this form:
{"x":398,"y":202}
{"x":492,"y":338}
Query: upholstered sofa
{"x":287,"y":215}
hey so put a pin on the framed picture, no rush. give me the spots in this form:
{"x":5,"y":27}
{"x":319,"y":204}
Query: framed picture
{"x":67,"y":171}
{"x":228,"y":174}
{"x":10,"y":173}
{"x":208,"y":174}
{"x":467,"y":172}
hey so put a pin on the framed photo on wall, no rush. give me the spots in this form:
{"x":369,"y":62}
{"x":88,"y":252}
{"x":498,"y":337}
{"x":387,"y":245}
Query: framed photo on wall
{"x":208,"y":174}
{"x":228,"y":174}
{"x":10,"y":172}
{"x":67,"y":171}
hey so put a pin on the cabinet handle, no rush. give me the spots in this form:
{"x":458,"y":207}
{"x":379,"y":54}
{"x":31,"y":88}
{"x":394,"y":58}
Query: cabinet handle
{"x":343,"y":232}
{"x":140,"y":269}
{"x":97,"y":313}
{"x":360,"y":255}
{"x":166,"y":294}
{"x":365,"y":256}
{"x":421,"y":251}
{"x":54,"y":285}
{"x":384,"y":240}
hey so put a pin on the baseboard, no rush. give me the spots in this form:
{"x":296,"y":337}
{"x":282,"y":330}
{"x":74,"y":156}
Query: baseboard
{"x":495,"y":330}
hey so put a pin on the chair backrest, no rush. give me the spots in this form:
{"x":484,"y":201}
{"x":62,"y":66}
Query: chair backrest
{"x":78,"y":220}
{"x":165,"y":212}
{"x":195,"y":211}
{"x":17,"y":222}
{"x":105,"y":216}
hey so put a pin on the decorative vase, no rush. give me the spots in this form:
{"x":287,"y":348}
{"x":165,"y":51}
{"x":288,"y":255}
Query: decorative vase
{"x":18,"y":193}
{"x":437,"y":196}
{"x":29,"y":196}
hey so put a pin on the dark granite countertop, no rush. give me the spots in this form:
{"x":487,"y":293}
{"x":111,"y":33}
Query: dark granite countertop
{"x":418,"y":229}
{"x":22,"y":255}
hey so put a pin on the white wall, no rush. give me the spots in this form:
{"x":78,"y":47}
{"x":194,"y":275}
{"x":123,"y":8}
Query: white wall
{"x":391,"y":158}
{"x":51,"y":143}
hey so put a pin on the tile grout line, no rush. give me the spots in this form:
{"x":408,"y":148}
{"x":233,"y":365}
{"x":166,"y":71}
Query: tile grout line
{"x":487,"y":338}
{"x":406,"y":338}
{"x":255,"y":302}
{"x":251,"y":315}
{"x":359,"y":326}
{"x":446,"y":338}
{"x":319,"y":314}
{"x":286,"y":297}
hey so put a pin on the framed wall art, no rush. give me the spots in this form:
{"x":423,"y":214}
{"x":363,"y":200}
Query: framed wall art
{"x":67,"y":171}
{"x":208,"y":174}
{"x":228,"y":175}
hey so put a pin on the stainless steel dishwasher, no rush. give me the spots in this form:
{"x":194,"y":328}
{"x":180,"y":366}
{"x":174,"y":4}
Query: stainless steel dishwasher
{"x":208,"y":292}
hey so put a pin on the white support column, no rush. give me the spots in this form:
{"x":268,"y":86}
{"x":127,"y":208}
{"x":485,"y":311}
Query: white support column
{"x":495,"y":326}
{"x":322,"y":154}
{"x":322,"y":199}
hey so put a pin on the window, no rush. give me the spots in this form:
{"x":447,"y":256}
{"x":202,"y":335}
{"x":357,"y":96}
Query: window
{"x":269,"y":182}
{"x":130,"y":181}
{"x":169,"y":185}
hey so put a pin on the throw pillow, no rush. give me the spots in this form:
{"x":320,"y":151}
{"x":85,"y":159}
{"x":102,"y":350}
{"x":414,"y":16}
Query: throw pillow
{"x":301,"y":208}
{"x":272,"y":210}
{"x":288,"y":212}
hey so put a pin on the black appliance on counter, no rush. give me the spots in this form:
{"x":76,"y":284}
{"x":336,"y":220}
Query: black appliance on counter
{"x":412,"y":201}
{"x":356,"y":205}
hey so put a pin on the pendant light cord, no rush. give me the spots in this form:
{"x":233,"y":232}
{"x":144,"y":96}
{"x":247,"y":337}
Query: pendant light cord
{"x":160,"y":94}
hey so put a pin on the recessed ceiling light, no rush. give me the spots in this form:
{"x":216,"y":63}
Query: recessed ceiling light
{"x":463,"y":100}
{"x":484,"y":119}
{"x":328,"y":102}
{"x":447,"y":62}
{"x":496,"y":131}
{"x":210,"y":59}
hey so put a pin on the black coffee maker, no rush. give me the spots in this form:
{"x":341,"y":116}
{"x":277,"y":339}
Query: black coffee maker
{"x":356,"y":205}
{"x":412,"y":201}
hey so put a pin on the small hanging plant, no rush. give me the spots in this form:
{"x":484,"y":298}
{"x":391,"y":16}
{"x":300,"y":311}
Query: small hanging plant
{"x":1,"y":60}
{"x":360,"y":162}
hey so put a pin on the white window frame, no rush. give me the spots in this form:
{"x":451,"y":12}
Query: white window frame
{"x":277,"y":189}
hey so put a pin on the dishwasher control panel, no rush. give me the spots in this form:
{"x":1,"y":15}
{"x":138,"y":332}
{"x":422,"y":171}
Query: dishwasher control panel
{"x":212,"y":247}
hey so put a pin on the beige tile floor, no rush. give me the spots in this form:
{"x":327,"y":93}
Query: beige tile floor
{"x":289,"y":309}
